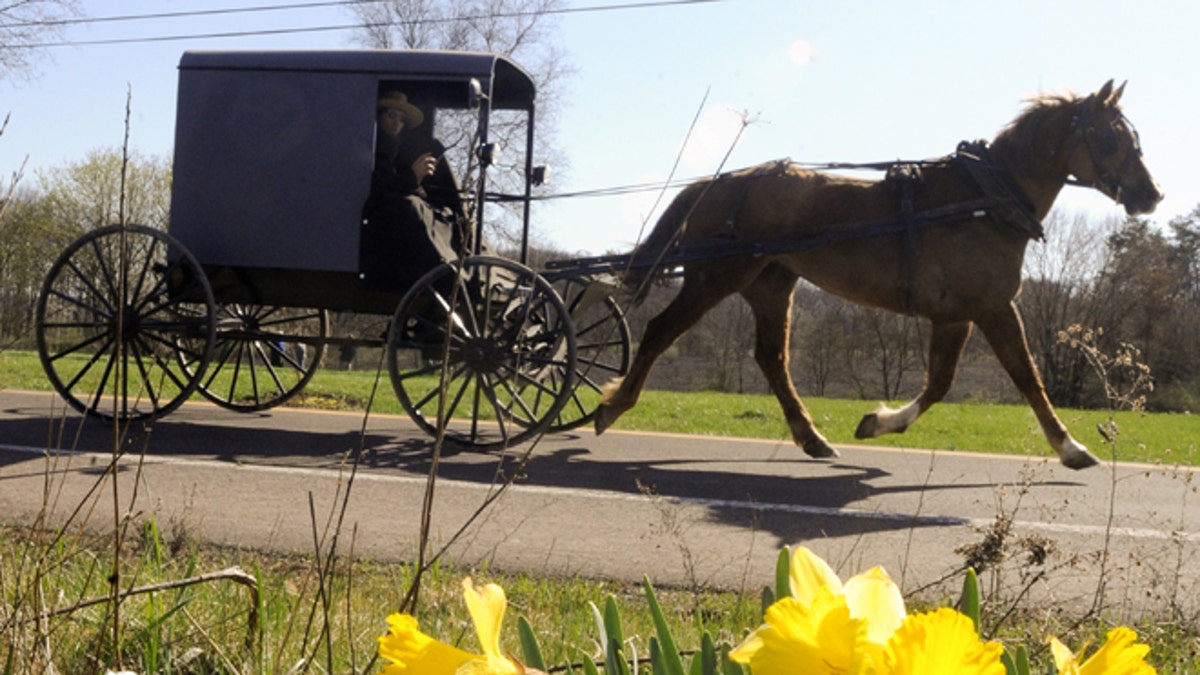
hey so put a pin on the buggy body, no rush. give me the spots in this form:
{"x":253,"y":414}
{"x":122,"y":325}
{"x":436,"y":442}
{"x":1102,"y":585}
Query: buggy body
{"x":274,"y":153}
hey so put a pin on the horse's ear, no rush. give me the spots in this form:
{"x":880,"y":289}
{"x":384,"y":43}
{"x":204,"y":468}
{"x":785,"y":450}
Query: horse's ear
{"x":1106,"y":97}
{"x":1116,"y":95}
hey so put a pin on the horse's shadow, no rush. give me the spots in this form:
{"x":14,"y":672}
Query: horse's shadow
{"x":802,"y":504}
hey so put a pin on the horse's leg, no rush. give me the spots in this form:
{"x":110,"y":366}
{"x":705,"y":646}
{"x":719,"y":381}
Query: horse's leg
{"x":1006,"y":334}
{"x":770,"y":298}
{"x":945,"y":349}
{"x":698,"y":295}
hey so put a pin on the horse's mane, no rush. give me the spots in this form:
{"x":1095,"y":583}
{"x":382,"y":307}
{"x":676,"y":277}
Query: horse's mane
{"x":1023,"y":134}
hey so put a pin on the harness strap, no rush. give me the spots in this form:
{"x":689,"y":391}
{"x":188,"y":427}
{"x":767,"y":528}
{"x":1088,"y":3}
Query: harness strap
{"x":731,"y":221}
{"x":906,"y":177}
{"x":1011,"y":205}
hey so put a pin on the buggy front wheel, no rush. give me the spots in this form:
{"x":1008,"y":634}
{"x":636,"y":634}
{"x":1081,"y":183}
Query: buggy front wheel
{"x":478,"y":351}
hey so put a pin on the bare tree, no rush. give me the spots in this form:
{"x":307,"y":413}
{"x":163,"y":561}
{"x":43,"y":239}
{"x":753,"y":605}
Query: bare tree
{"x":723,"y":341}
{"x":26,"y":24}
{"x":817,"y":337}
{"x":1060,"y":290}
{"x":884,"y":347}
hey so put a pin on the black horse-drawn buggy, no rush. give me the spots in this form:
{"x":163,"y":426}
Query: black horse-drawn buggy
{"x":273,"y":162}
{"x":270,"y":231}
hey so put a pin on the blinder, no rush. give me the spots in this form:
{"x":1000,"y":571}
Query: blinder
{"x":1102,"y":143}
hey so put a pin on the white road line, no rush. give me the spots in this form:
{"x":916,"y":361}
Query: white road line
{"x":550,"y":491}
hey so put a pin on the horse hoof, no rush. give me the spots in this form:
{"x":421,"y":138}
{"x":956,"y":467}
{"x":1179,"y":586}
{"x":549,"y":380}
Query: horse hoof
{"x":1081,"y":459}
{"x":819,"y":449}
{"x":602,"y":421}
{"x":868,"y":427}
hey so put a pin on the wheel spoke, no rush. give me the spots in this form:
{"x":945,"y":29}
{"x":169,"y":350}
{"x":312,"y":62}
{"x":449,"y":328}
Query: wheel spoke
{"x":100,"y":353}
{"x":447,"y":405}
{"x":105,"y":274}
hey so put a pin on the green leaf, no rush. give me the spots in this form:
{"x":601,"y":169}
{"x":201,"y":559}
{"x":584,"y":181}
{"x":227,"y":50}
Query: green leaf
{"x":531,"y":651}
{"x":1022,"y":660}
{"x":705,"y":661}
{"x":1010,"y":666}
{"x":672,"y":663}
{"x":614,"y":659}
{"x":970,"y":599}
{"x":1019,"y":664}
{"x":612,"y":621}
{"x":768,"y":599}
{"x":589,"y":666}
{"x":657,"y":664}
{"x":728,"y":666}
{"x":599,"y":619}
{"x":783,"y":574}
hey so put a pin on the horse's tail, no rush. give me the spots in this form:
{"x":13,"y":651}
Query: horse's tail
{"x":646,"y":262}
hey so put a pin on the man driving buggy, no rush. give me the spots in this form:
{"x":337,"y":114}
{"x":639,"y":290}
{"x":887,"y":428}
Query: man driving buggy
{"x":413,"y":217}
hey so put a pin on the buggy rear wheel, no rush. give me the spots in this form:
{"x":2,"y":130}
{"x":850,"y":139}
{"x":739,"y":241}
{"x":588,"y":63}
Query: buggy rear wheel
{"x":602,"y":343}
{"x":263,"y":355}
{"x":472,"y":351}
{"x":109,"y":316}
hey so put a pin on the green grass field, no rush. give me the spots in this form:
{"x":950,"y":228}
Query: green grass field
{"x":968,"y":427}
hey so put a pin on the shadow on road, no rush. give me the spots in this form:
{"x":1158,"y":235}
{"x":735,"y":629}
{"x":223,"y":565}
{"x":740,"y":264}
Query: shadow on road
{"x":792,"y":499}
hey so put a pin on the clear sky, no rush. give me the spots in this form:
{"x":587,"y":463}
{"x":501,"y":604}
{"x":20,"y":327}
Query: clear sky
{"x":825,"y":80}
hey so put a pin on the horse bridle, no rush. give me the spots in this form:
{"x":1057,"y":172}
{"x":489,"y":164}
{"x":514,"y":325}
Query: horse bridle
{"x":1083,"y":127}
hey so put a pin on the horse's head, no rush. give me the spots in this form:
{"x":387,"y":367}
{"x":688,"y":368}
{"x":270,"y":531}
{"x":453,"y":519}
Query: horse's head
{"x":1106,"y":154}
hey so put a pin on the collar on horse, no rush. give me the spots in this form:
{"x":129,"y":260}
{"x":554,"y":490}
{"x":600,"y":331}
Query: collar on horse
{"x":1011,"y":206}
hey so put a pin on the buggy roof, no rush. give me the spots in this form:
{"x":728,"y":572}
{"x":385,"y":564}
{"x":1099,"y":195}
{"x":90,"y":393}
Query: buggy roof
{"x":511,"y":87}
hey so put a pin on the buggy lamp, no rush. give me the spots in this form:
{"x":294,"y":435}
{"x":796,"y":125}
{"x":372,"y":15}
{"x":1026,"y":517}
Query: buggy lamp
{"x":488,"y":153}
{"x":475,"y":94}
{"x":539,"y":175}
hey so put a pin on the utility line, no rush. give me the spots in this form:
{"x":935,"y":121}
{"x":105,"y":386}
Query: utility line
{"x":181,"y":15}
{"x":315,"y":29}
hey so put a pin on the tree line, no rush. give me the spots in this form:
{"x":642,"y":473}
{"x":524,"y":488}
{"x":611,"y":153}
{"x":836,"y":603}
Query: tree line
{"x":1128,"y":281}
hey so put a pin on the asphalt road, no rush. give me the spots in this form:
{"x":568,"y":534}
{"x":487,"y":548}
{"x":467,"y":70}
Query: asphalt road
{"x":682,"y":510}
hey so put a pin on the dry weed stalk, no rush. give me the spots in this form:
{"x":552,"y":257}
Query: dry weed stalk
{"x":1127,"y":381}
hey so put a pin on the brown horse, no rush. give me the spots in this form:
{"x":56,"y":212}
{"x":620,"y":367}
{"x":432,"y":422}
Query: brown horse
{"x":896,"y":244}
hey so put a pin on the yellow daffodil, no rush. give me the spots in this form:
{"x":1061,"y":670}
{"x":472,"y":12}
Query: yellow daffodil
{"x":874,"y":597}
{"x":808,"y":573}
{"x":871,"y":595}
{"x":412,"y":652}
{"x":871,"y":604}
{"x":818,"y":637}
{"x":1121,"y":654}
{"x":942,"y":642}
